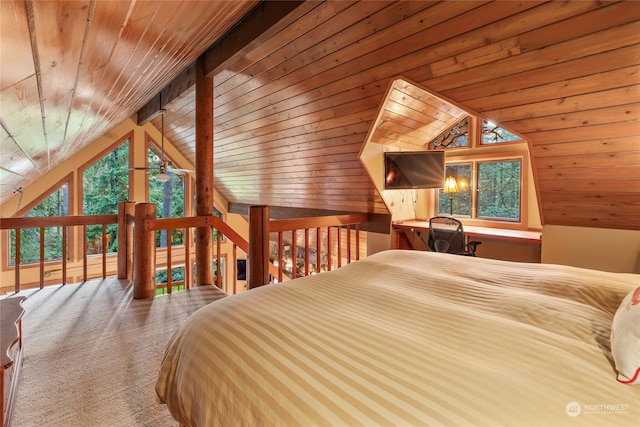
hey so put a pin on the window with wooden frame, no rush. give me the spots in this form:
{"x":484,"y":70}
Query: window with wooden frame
{"x":105,"y":183}
{"x":491,"y":172}
{"x":52,"y":203}
{"x":168,"y":196}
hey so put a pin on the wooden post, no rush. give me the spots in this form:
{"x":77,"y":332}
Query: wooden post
{"x":144,"y":261}
{"x":204,"y":173}
{"x":126,"y":210}
{"x":258,"y":256}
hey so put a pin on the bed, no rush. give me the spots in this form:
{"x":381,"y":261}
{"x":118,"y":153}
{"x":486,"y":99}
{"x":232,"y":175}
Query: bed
{"x":411,"y":338}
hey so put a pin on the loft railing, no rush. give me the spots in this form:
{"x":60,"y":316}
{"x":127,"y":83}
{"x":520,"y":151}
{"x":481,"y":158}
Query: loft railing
{"x":137,"y":229}
{"x":261,"y":227}
{"x":65,"y":223}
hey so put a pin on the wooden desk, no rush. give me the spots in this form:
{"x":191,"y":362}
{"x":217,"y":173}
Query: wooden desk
{"x":523,"y":236}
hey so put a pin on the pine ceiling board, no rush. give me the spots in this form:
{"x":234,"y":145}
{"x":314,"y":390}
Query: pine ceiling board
{"x":58,"y":32}
{"x":294,"y":134}
{"x":601,"y":17}
{"x":298,"y":152}
{"x":256,"y":163}
{"x":550,"y":98}
{"x":597,"y":187}
{"x":594,"y":207}
{"x":595,"y":82}
{"x":97,"y":50}
{"x":592,"y":161}
{"x":587,"y":219}
{"x":21,"y":116}
{"x":589,"y":196}
{"x":562,"y":52}
{"x":347,"y":168}
{"x":320,"y":61}
{"x":273,"y":51}
{"x":13,"y":159}
{"x":586,"y":133}
{"x":257,"y":147}
{"x":557,"y":104}
{"x":591,"y":117}
{"x":603,"y":173}
{"x":603,"y":144}
{"x":16,"y":61}
{"x":165,"y":40}
{"x":305,"y":16}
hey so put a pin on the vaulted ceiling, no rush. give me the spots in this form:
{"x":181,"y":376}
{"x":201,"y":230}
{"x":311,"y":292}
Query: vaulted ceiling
{"x":295,"y":100}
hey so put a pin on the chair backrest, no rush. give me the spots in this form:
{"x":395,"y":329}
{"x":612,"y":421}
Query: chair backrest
{"x":446,"y":235}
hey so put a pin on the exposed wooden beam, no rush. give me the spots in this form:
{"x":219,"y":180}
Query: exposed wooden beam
{"x":255,"y":27}
{"x":204,"y":172}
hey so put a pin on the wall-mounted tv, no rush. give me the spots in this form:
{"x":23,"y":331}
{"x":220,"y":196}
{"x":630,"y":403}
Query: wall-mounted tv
{"x":413,"y":169}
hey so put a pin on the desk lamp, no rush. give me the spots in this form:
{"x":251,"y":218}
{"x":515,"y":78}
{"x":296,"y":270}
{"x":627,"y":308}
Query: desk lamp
{"x":450,"y":186}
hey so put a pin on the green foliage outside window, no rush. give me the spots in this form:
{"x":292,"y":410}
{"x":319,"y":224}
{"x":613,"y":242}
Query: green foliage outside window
{"x":499,"y":190}
{"x":105,"y":184}
{"x":454,"y":137}
{"x":462,"y":199}
{"x":57,"y":204}
{"x":493,"y":134}
{"x":169,"y":199}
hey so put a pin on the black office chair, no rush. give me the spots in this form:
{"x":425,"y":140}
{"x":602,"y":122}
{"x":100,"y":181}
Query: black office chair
{"x":447,"y":235}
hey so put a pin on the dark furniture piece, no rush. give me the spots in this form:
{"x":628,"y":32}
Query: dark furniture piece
{"x":446,"y":234}
{"x":11,"y":312}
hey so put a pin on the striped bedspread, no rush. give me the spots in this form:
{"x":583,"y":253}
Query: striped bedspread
{"x":406,"y":338}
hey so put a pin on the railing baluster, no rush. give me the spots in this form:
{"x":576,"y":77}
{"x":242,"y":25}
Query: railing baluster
{"x":348,"y":243}
{"x":218,"y":269}
{"x":306,"y":251}
{"x":104,"y":251}
{"x":64,"y":255}
{"x":357,"y":241}
{"x":339,"y":228}
{"x":294,"y":253}
{"x":280,"y":255}
{"x":187,"y":258}
{"x":41,"y":257}
{"x":169,"y":281}
{"x":235,"y":266}
{"x":329,"y":248}
{"x":318,"y":249}
{"x":84,"y":253}
{"x":17,"y":261}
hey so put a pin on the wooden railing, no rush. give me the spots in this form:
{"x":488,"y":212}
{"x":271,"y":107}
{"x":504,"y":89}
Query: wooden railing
{"x":137,"y":232}
{"x":260,"y":270}
{"x":65,"y":223}
{"x":151,"y":225}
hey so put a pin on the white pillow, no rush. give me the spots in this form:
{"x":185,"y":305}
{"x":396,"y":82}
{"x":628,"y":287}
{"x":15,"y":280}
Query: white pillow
{"x":625,"y":339}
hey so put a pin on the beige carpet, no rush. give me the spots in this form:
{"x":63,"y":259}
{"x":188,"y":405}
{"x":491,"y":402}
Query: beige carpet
{"x":92,"y":353}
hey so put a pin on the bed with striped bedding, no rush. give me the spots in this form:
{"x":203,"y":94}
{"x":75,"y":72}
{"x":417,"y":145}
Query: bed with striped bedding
{"x":406,"y":338}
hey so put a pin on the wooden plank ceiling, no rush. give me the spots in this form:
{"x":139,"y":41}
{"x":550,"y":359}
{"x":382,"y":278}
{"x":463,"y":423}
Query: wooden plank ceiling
{"x":293,"y":108}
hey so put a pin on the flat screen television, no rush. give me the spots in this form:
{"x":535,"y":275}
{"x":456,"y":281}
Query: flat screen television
{"x":413,"y":169}
{"x":241,"y":269}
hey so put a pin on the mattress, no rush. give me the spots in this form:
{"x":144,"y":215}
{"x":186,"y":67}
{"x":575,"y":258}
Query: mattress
{"x":406,"y":338}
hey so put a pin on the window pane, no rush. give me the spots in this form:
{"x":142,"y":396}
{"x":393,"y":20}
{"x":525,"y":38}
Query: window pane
{"x":169,"y":199}
{"x":216,"y":234}
{"x":456,"y":136}
{"x":499,"y":190}
{"x":57,"y":204}
{"x":461,"y":201}
{"x":105,"y":184}
{"x":493,"y":134}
